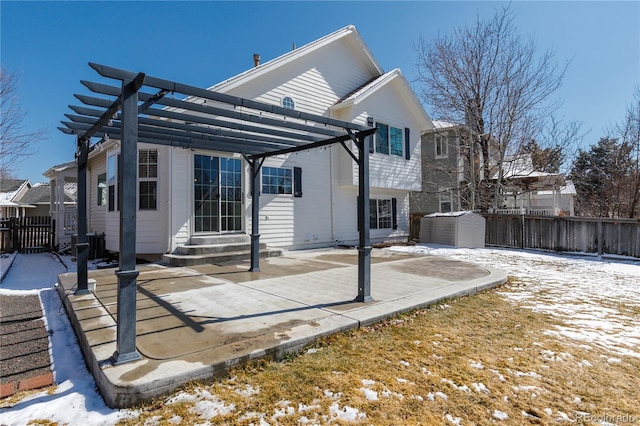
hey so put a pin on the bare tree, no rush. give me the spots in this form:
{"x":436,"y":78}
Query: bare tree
{"x":493,"y":80}
{"x":630,"y":133}
{"x":16,"y":142}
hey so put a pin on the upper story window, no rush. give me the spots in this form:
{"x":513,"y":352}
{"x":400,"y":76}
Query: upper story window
{"x":389,"y":140}
{"x":288,"y":103}
{"x":277,"y":180}
{"x":442,"y":146}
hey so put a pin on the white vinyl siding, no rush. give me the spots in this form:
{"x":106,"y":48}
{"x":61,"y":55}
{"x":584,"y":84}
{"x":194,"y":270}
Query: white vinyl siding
{"x":151,"y":225}
{"x":288,"y":221}
{"x":385,"y":171}
{"x":96,"y":213}
{"x":325,"y":211}
{"x":314,"y":82}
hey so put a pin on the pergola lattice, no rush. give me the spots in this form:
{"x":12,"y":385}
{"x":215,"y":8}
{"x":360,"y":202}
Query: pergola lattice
{"x":203,"y":119}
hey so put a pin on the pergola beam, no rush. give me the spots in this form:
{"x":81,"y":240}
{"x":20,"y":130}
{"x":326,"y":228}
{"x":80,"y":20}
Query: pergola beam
{"x":220,"y":112}
{"x":177,"y":129}
{"x":332,"y":141}
{"x":186,"y":89}
{"x":134,"y":84}
{"x":191,"y":139}
{"x":188,"y":118}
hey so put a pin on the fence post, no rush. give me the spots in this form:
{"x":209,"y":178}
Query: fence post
{"x":600,"y":237}
{"x":523,"y":229}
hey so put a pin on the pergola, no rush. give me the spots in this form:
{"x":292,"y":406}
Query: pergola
{"x":202,"y":119}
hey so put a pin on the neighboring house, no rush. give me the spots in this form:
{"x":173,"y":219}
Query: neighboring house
{"x":447,"y":186}
{"x":11,"y":193}
{"x":308,"y":199}
{"x":447,"y":170}
{"x":62,"y":204}
{"x":529,"y":191}
{"x":38,"y":196}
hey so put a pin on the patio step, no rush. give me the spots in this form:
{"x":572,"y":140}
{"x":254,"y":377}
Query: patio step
{"x":216,"y":258}
{"x":199,"y":249}
{"x":220,"y":239}
{"x":216,"y":249}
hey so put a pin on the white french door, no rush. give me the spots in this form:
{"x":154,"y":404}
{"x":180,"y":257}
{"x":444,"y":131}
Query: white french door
{"x":217,"y":194}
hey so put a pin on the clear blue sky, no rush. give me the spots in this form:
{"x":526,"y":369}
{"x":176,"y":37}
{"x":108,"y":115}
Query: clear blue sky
{"x":202,"y":43}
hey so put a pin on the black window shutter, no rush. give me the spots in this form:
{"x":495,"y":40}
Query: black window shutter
{"x":371,"y":140}
{"x":407,"y":143}
{"x":297,"y":182}
{"x":394,"y":212}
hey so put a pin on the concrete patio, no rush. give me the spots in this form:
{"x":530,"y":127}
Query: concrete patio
{"x":195,"y":323}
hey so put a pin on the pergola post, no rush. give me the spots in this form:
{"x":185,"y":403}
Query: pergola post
{"x":127,"y":273}
{"x":82,"y":246}
{"x":255,"y":215}
{"x":364,"y":248}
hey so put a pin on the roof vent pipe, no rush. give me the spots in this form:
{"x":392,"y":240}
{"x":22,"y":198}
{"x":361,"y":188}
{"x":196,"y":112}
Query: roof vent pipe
{"x":256,"y":59}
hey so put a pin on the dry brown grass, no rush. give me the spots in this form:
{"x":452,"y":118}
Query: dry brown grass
{"x":483,"y":340}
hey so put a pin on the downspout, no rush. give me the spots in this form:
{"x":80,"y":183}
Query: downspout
{"x":331,"y":181}
{"x":331,"y":207}
{"x":170,"y":204}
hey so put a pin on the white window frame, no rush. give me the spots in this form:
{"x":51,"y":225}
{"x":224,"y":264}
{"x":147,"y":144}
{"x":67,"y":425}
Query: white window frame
{"x":147,"y":173}
{"x":378,"y":210}
{"x":440,"y":143}
{"x":269,"y":185}
{"x":445,"y":196}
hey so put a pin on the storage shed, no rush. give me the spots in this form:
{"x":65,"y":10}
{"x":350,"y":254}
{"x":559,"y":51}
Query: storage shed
{"x":460,"y":229}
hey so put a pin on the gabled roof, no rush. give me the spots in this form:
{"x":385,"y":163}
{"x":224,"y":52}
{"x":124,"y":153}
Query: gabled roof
{"x":40,"y":193}
{"x":10,"y":187}
{"x":375,"y":84}
{"x":519,"y":171}
{"x":53,"y":171}
{"x":348,"y":31}
{"x":440,"y":124}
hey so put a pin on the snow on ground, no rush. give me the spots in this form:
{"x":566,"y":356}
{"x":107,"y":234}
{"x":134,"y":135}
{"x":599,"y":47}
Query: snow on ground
{"x":594,"y":299}
{"x":75,"y":400}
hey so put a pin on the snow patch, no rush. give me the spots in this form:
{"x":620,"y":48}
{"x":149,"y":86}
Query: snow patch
{"x":370,"y":394}
{"x":500,"y":415}
{"x":453,"y":420}
{"x":346,"y":413}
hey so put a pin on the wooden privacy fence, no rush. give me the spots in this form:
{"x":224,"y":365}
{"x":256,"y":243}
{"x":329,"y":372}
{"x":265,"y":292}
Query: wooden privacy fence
{"x":569,"y":234}
{"x":30,"y":234}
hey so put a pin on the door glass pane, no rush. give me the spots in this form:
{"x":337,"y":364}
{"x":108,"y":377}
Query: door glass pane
{"x":206,"y":193}
{"x":231,"y":193}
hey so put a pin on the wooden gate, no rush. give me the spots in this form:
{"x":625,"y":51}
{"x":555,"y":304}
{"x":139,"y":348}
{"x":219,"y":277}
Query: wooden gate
{"x":30,"y":234}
